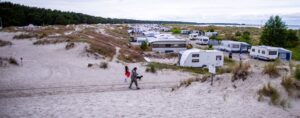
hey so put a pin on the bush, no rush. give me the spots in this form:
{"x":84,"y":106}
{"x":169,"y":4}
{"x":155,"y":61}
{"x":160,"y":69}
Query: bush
{"x":4,"y":43}
{"x":189,"y":46}
{"x":70,"y":45}
{"x":176,"y":31}
{"x":269,"y":91}
{"x":297,"y":73}
{"x":104,"y":65}
{"x":13,"y":61}
{"x":24,"y":36}
{"x":210,"y":46}
{"x":144,"y":46}
{"x":48,"y":41}
{"x":271,"y":69}
{"x":151,"y":69}
{"x":288,"y":84}
{"x":241,"y":72}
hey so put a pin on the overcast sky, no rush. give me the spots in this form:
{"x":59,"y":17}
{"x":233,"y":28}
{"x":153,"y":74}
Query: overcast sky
{"x":204,"y":11}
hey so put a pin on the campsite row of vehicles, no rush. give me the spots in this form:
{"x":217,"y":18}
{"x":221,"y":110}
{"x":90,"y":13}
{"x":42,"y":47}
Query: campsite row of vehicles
{"x":167,"y":43}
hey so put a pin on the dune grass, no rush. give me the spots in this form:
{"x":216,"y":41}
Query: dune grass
{"x":271,"y":70}
{"x":160,"y":66}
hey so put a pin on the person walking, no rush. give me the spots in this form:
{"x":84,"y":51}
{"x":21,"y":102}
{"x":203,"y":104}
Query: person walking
{"x":134,"y":76}
{"x":127,"y":73}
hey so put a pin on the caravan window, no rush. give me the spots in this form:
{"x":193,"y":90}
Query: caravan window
{"x":195,"y":55}
{"x":182,"y":45}
{"x":253,"y":50}
{"x":218,"y":57}
{"x":155,"y":45}
{"x":235,"y":46}
{"x":263,"y":52}
{"x":258,"y":51}
{"x":168,"y":45}
{"x":272,"y":52}
{"x":195,"y":60}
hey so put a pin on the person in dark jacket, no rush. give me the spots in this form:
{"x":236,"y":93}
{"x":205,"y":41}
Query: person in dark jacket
{"x":134,"y":77}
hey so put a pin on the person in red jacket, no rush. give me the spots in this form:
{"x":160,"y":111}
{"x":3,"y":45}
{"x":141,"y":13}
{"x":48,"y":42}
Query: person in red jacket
{"x":127,"y":73}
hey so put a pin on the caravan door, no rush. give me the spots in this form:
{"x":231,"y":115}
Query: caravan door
{"x":218,"y":60}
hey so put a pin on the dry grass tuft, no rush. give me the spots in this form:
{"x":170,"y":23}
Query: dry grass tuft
{"x":151,"y":69}
{"x":289,"y":84}
{"x":271,"y":70}
{"x":4,"y":61}
{"x":4,"y":43}
{"x":241,"y":72}
{"x":48,"y":41}
{"x":104,"y":65}
{"x":188,"y":82}
{"x":70,"y":45}
{"x":269,"y":91}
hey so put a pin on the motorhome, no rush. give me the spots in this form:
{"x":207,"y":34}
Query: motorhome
{"x":201,"y":58}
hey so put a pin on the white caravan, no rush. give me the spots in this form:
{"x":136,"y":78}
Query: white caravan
{"x":168,"y":45}
{"x":233,"y":46}
{"x":201,"y":58}
{"x":138,"y":40}
{"x":202,"y":40}
{"x":264,"y":52}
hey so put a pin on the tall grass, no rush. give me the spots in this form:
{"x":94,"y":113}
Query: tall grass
{"x":271,"y":70}
{"x":297,"y":73}
{"x":4,"y":43}
{"x":241,"y":72}
{"x":160,"y":66}
{"x":289,"y":84}
{"x":269,"y":91}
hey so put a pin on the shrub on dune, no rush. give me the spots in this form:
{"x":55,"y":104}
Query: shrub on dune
{"x":271,"y":70}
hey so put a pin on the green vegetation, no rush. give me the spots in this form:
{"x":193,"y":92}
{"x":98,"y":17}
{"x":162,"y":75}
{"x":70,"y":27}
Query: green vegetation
{"x":297,"y":73}
{"x":151,"y":68}
{"x":144,"y":46}
{"x":176,"y":30}
{"x":275,"y":33}
{"x":20,"y":15}
{"x":160,"y":66}
{"x":295,"y":52}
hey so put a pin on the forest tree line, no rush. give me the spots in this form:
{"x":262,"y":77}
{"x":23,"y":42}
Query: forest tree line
{"x":19,"y":15}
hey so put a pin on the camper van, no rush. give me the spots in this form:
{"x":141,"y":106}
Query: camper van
{"x":168,"y":45}
{"x":234,"y":46}
{"x":201,"y":58}
{"x":270,"y":53}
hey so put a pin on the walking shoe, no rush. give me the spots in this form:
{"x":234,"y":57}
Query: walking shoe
{"x":137,"y":88}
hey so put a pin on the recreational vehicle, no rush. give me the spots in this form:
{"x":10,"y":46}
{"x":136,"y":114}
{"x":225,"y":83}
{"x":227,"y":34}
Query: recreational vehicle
{"x":201,"y":58}
{"x":168,"y":45}
{"x":270,"y":53}
{"x":234,"y":46}
{"x":193,"y":36}
{"x":137,"y":40}
{"x":202,"y":40}
{"x":209,"y":34}
{"x":185,"y":32}
{"x":150,"y":33}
